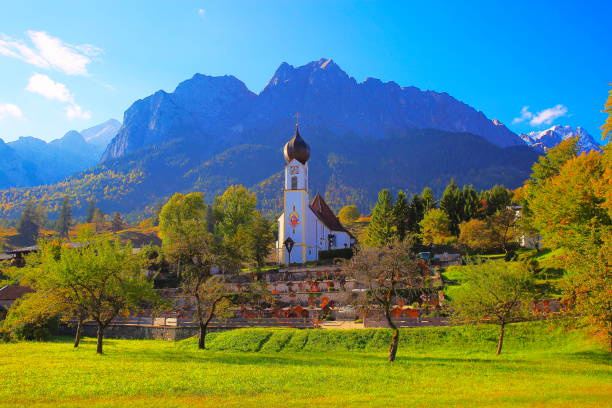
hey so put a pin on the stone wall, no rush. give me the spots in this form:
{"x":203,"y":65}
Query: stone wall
{"x":168,"y":333}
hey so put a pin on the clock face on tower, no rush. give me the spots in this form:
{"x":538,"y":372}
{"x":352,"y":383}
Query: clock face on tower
{"x":294,"y":170}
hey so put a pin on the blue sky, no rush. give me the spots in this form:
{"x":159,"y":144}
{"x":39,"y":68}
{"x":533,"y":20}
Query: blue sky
{"x":72,"y":64}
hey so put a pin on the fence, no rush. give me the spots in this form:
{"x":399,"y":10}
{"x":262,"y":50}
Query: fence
{"x":407,"y":322}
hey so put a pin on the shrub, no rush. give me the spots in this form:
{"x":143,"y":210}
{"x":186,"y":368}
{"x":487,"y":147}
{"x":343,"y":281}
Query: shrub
{"x":330,"y":254}
{"x":31,"y":318}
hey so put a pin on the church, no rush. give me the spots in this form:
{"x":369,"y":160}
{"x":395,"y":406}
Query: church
{"x":306,"y":226}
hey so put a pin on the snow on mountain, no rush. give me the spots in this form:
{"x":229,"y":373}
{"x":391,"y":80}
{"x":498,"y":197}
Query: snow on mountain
{"x":551,"y":137}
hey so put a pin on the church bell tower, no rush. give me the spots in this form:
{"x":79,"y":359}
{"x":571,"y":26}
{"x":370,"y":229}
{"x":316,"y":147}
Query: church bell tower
{"x":297,"y":153}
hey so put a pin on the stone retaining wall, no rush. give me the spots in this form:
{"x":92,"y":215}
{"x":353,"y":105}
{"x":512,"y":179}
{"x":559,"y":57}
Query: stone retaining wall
{"x":136,"y":332}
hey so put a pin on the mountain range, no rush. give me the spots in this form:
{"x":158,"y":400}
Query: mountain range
{"x":549,"y":138}
{"x":29,"y":161}
{"x":212,"y":132}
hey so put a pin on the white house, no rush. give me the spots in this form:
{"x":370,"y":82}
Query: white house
{"x":309,"y":226}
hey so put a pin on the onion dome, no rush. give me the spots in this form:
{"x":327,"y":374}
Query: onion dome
{"x":297,"y":148}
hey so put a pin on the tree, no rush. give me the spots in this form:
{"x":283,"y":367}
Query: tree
{"x":471,"y":203}
{"x":99,"y":280}
{"x":477,"y":235}
{"x":495,"y":199}
{"x":570,"y":207}
{"x":495,"y":293}
{"x":586,"y":286}
{"x":28,"y":225}
{"x":381,"y":230}
{"x":117,"y":223}
{"x":452,"y":203}
{"x":435,"y":228}
{"x":607,"y":126}
{"x":429,"y":202}
{"x":550,"y":164}
{"x":257,"y":237}
{"x":64,"y":219}
{"x":401,"y":213}
{"x":91,"y":210}
{"x":98,"y":220}
{"x":186,"y":240}
{"x":211,"y":253}
{"x":385,"y":272}
{"x":348,"y":214}
{"x":503,"y":227}
{"x":182,"y":221}
{"x":235,"y":207}
{"x":212,"y":300}
{"x":34,"y":316}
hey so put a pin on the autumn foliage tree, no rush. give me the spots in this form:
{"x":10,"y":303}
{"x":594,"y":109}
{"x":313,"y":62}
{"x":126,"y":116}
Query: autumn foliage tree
{"x":385,"y":272}
{"x":476,"y":235}
{"x":348,"y":214}
{"x":435,"y":228}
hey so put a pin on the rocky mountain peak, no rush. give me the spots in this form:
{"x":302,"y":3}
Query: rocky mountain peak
{"x":547,"y":139}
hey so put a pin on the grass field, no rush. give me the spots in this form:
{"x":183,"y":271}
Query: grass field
{"x":436,"y":367}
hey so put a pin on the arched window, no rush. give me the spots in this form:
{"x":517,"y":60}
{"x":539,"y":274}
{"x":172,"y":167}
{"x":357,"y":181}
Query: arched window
{"x":294,"y":183}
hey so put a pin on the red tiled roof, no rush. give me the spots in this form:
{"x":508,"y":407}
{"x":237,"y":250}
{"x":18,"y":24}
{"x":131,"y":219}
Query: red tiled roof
{"x":13,"y":292}
{"x":325,"y":214}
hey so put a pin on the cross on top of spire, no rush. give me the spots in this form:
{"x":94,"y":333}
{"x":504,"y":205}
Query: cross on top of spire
{"x":297,"y":119}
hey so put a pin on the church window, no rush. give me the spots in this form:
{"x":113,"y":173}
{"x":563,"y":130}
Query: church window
{"x":294,"y":183}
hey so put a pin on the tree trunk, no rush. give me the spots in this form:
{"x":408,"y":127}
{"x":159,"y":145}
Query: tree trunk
{"x":79,"y":330}
{"x":100,"y":338}
{"x":500,"y":343}
{"x":394,"y":336}
{"x":202,"y":339}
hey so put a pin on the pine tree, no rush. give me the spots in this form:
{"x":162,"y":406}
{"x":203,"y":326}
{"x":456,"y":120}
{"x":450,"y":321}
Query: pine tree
{"x":496,"y":199}
{"x":91,"y":210}
{"x":471,"y":203}
{"x":98,"y":219}
{"x":401,"y":212}
{"x":117,"y":223}
{"x":381,"y":230}
{"x":452,"y":203}
{"x":28,"y":226}
{"x":416,"y":213}
{"x":64,"y":219}
{"x":429,"y":202}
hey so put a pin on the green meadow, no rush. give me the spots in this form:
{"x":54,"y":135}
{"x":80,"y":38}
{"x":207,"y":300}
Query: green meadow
{"x":436,"y":367}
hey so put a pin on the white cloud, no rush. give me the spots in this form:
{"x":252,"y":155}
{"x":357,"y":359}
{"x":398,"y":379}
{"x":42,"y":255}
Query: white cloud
{"x":201,"y":12}
{"x":50,"y":52}
{"x":74,"y":111}
{"x":8,"y":110}
{"x":525,"y":115}
{"x":45,"y":86}
{"x":543,"y":117}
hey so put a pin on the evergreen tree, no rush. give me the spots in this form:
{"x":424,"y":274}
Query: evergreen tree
{"x":117,"y":223}
{"x":496,"y":199}
{"x":416,"y":213}
{"x":401,"y":212}
{"x":98,"y":219}
{"x":429,"y":202}
{"x":452,"y":203}
{"x":28,"y":226}
{"x":381,"y":230}
{"x":471,"y":203}
{"x":41,"y":215}
{"x":64,"y":219}
{"x":91,"y":210}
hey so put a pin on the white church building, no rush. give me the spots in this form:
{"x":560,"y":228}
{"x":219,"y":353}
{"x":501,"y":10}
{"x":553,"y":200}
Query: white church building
{"x":305,"y":226}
